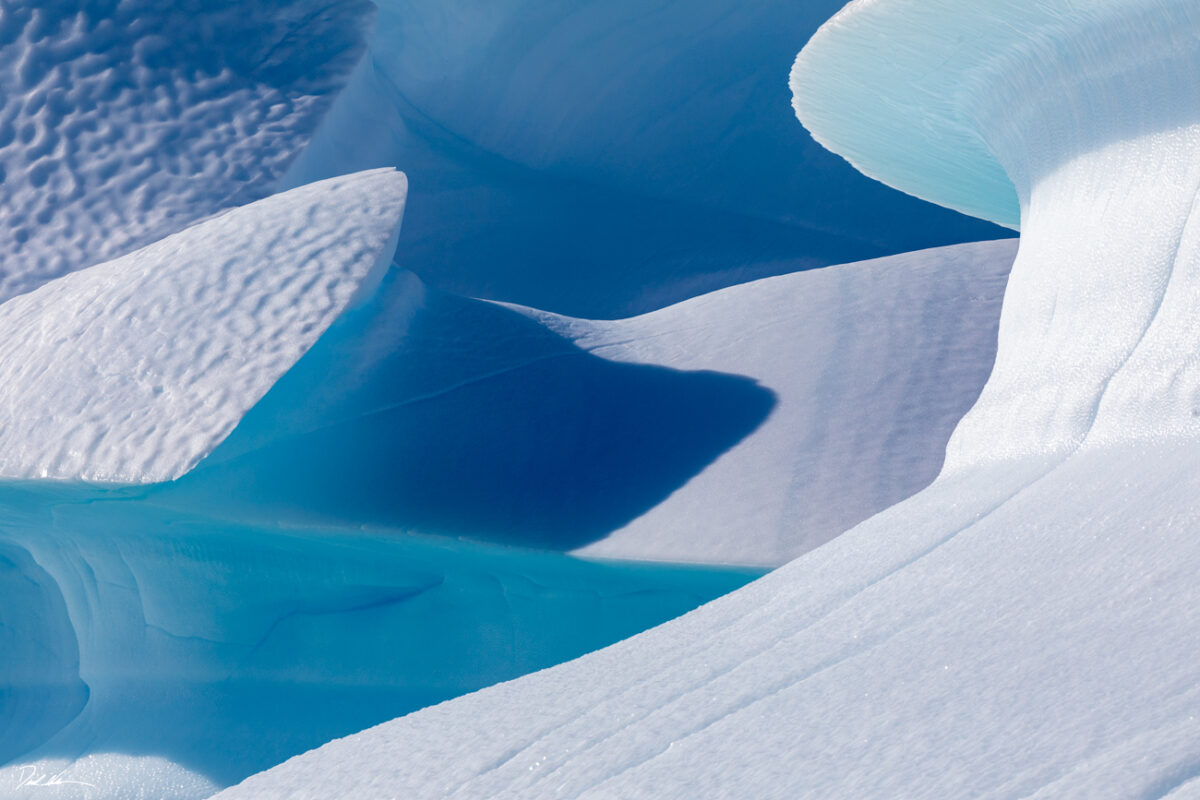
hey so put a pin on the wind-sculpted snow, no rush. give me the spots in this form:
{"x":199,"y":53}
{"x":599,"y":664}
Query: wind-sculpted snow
{"x":1023,"y":628}
{"x":745,"y":427}
{"x":607,"y":159}
{"x":872,"y":363}
{"x":131,"y":371}
{"x":122,"y":122}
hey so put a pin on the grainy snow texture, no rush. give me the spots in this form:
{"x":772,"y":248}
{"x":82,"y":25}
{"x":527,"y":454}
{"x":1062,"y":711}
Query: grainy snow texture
{"x":1023,"y":628}
{"x":131,"y":371}
{"x":122,"y":122}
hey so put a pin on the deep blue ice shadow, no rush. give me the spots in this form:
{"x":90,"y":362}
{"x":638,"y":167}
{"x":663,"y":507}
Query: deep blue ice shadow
{"x":470,"y":419}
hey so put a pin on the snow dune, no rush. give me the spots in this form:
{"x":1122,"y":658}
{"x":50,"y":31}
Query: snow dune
{"x":133,"y":370}
{"x":746,"y":426}
{"x":1024,"y":627}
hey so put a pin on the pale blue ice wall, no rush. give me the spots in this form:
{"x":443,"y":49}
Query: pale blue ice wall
{"x":1085,"y":120}
{"x":605,"y":158}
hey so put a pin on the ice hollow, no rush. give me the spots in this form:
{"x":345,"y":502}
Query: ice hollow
{"x":1085,"y":121}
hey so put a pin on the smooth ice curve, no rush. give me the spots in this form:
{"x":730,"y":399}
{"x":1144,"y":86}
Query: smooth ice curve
{"x":133,"y":370}
{"x":1023,"y":628}
{"x":924,"y":119}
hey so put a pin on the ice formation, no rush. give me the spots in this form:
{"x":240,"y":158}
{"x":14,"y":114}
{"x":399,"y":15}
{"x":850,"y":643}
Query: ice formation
{"x":155,"y":653}
{"x":872,"y":364}
{"x":606,"y":160}
{"x":1023,"y":628}
{"x":122,"y":122}
{"x":689,"y":434}
{"x":131,"y":371}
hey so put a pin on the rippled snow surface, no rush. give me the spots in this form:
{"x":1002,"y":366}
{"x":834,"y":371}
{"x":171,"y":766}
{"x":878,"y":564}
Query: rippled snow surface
{"x":122,"y":122}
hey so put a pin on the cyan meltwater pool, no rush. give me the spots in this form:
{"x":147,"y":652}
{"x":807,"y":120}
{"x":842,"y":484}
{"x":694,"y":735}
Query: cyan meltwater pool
{"x":225,"y":647}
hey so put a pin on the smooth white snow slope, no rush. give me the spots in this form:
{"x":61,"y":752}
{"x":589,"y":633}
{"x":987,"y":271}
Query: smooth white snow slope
{"x":133,"y":370}
{"x":1023,"y":628}
{"x":122,"y":122}
{"x":871,"y":364}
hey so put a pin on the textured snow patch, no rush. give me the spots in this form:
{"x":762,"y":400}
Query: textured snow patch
{"x":133,"y":370}
{"x":123,"y":122}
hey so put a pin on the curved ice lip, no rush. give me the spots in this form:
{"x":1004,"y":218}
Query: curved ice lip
{"x":133,"y":370}
{"x":922,"y":115}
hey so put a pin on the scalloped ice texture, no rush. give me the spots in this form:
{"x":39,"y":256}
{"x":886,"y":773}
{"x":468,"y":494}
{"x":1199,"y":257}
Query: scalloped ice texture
{"x":122,"y":122}
{"x":131,"y":371}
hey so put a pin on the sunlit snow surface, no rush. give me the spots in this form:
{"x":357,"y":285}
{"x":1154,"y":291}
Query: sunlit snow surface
{"x":745,"y":426}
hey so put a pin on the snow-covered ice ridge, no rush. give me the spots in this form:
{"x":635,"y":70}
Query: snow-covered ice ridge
{"x":131,"y":371}
{"x":1023,"y":628}
{"x":122,"y":122}
{"x":745,"y":426}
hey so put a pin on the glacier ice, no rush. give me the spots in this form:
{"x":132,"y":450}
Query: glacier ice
{"x":607,"y":160}
{"x":1024,"y":627}
{"x":872,"y":363}
{"x":131,"y":371}
{"x":122,"y":122}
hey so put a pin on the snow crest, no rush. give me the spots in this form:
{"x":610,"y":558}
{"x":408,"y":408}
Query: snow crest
{"x":133,"y":370}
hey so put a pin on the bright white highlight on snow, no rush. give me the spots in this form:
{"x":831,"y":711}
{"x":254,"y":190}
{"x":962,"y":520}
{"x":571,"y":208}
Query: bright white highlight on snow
{"x":1023,"y":628}
{"x":133,"y":370}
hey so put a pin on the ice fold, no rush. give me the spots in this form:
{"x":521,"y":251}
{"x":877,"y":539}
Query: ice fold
{"x":133,"y":370}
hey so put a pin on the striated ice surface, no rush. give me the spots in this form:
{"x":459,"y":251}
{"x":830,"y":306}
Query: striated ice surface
{"x":131,"y":371}
{"x":122,"y":122}
{"x":872,"y":365}
{"x":1022,"y":628}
